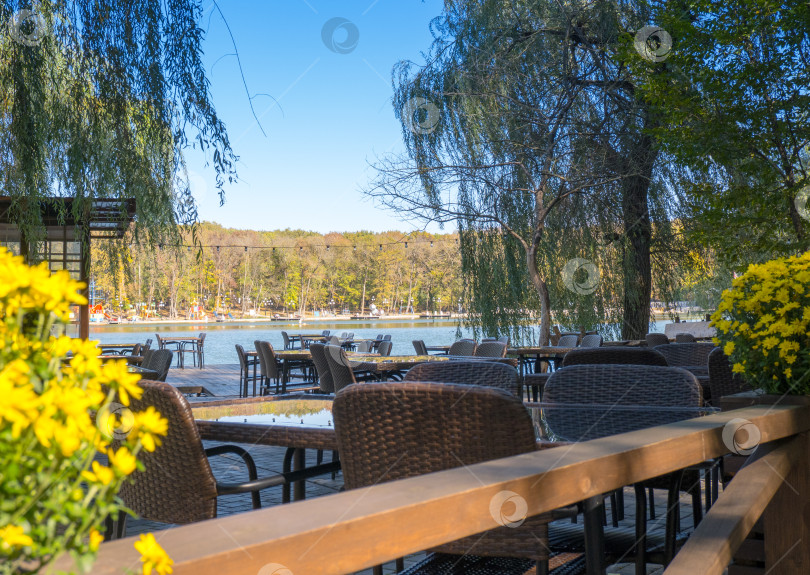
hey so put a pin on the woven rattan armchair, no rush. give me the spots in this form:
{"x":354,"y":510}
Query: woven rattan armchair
{"x":490,"y":349}
{"x":432,"y":427}
{"x":339,"y":367}
{"x":268,"y":365}
{"x":486,"y":373}
{"x":158,"y":360}
{"x":322,"y":367}
{"x":569,"y":340}
{"x":722,"y":381}
{"x":419,"y":347}
{"x":385,"y":347}
{"x":614,"y":355}
{"x":288,"y":343}
{"x":177,"y":484}
{"x":684,"y":338}
{"x":592,"y":340}
{"x":147,"y":345}
{"x":646,"y":385}
{"x":462,"y":347}
{"x":656,"y":339}
{"x":691,"y":355}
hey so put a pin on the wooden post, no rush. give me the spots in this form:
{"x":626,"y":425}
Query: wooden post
{"x":84,"y":277}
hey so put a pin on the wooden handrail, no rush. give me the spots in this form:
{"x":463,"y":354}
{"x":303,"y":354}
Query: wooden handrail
{"x":711,"y":547}
{"x":357,"y":529}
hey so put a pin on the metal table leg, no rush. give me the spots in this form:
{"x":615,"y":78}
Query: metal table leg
{"x":594,"y":535}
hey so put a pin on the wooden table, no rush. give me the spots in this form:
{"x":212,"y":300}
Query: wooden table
{"x":552,"y":352}
{"x":297,"y":424}
{"x":440,"y":348}
{"x":300,"y":337}
{"x":116,"y":348}
{"x":180,"y":342}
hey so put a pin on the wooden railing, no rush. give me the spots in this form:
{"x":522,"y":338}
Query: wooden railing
{"x":357,"y":529}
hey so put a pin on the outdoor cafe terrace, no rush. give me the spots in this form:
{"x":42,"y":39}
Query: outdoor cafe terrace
{"x":602,"y":484}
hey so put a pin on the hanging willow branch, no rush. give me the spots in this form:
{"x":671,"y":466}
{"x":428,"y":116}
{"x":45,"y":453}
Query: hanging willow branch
{"x":98,"y":100}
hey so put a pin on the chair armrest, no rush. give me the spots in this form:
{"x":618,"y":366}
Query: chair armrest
{"x":246,"y":457}
{"x":282,"y":478}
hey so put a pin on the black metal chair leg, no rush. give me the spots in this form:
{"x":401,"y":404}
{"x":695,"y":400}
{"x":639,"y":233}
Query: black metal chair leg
{"x":641,"y":530}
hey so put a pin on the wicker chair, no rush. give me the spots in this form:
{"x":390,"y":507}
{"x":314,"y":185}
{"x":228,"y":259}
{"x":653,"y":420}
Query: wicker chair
{"x":385,"y":347}
{"x":486,"y":373}
{"x":159,"y":360}
{"x":462,"y":347}
{"x":569,"y":340}
{"x":387,"y":337}
{"x":656,"y":339}
{"x":691,"y":355}
{"x":325,"y":333}
{"x":177,"y":484}
{"x":268,"y":365}
{"x":339,"y":367}
{"x":245,"y":363}
{"x":592,"y":340}
{"x":322,"y":367}
{"x":614,"y":355}
{"x":288,"y":343}
{"x":419,"y":347}
{"x":147,"y":345}
{"x":163,"y":344}
{"x":434,"y":427}
{"x":490,"y":349}
{"x":614,"y":385}
{"x":364,"y":346}
{"x":684,"y":338}
{"x":722,"y":381}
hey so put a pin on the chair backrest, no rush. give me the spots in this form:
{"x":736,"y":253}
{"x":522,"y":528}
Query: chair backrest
{"x":147,"y":345}
{"x":325,"y":333}
{"x":136,"y":350}
{"x":286,"y":339}
{"x":240,"y":353}
{"x":504,"y":339}
{"x":614,"y":355}
{"x":385,"y":347}
{"x":364,"y":346}
{"x":177,"y":485}
{"x":462,"y":347}
{"x":623,"y":385}
{"x":267,"y":359}
{"x":490,"y":349}
{"x":339,"y":366}
{"x":334,"y":340}
{"x":160,"y":360}
{"x":350,"y":335}
{"x":684,"y":338}
{"x":568,"y":341}
{"x":159,"y":340}
{"x":202,"y":339}
{"x":419,"y":347}
{"x":317,"y":350}
{"x":343,"y":335}
{"x":389,"y":431}
{"x":593,"y":340}
{"x":380,"y":336}
{"x":656,"y":339}
{"x":486,"y":373}
{"x":687,"y":354}
{"x":723,"y":381}
{"x":146,"y":354}
{"x":387,"y":337}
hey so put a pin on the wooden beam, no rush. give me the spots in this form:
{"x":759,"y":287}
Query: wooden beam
{"x":711,"y":547}
{"x":357,"y":529}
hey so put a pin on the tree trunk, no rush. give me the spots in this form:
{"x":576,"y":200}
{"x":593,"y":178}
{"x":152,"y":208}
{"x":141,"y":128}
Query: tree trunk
{"x":638,"y":235}
{"x":542,"y":293}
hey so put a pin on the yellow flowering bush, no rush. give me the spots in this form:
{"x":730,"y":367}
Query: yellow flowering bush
{"x":763,"y":325}
{"x":60,"y":406}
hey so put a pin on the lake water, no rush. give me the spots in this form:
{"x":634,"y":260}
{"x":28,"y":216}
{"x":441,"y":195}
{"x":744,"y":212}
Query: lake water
{"x":222,"y":337}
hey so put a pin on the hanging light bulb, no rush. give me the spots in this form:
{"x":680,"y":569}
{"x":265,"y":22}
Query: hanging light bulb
{"x":327,"y":247}
{"x":380,"y":247}
{"x":431,"y":244}
{"x":245,"y":249}
{"x":406,"y":245}
{"x":217,"y":249}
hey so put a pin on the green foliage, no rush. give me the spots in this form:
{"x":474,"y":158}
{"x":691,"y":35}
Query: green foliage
{"x":98,"y":100}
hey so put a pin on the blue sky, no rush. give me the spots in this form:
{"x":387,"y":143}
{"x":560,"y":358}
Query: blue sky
{"x":330,"y":113}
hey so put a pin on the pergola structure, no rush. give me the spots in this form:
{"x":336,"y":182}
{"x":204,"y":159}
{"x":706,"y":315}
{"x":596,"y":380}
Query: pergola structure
{"x":67,"y":242}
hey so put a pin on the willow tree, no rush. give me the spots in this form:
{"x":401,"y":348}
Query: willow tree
{"x":99,"y":100}
{"x":524,"y":127}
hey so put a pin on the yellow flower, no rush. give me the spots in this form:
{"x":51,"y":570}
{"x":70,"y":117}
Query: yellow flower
{"x":729,"y":348}
{"x":116,"y":374}
{"x":96,"y":539}
{"x":738,"y":368}
{"x":153,"y":556}
{"x":122,"y":461}
{"x":148,"y":425}
{"x":100,"y":474}
{"x":14,"y":536}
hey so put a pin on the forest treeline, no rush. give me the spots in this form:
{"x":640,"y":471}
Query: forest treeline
{"x":285,"y":271}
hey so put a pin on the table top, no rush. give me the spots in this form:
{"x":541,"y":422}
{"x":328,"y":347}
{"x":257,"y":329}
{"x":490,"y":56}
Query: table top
{"x":550,"y":350}
{"x":437,"y":347}
{"x":116,"y":345}
{"x":178,"y":339}
{"x":300,"y":422}
{"x":142,"y":371}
